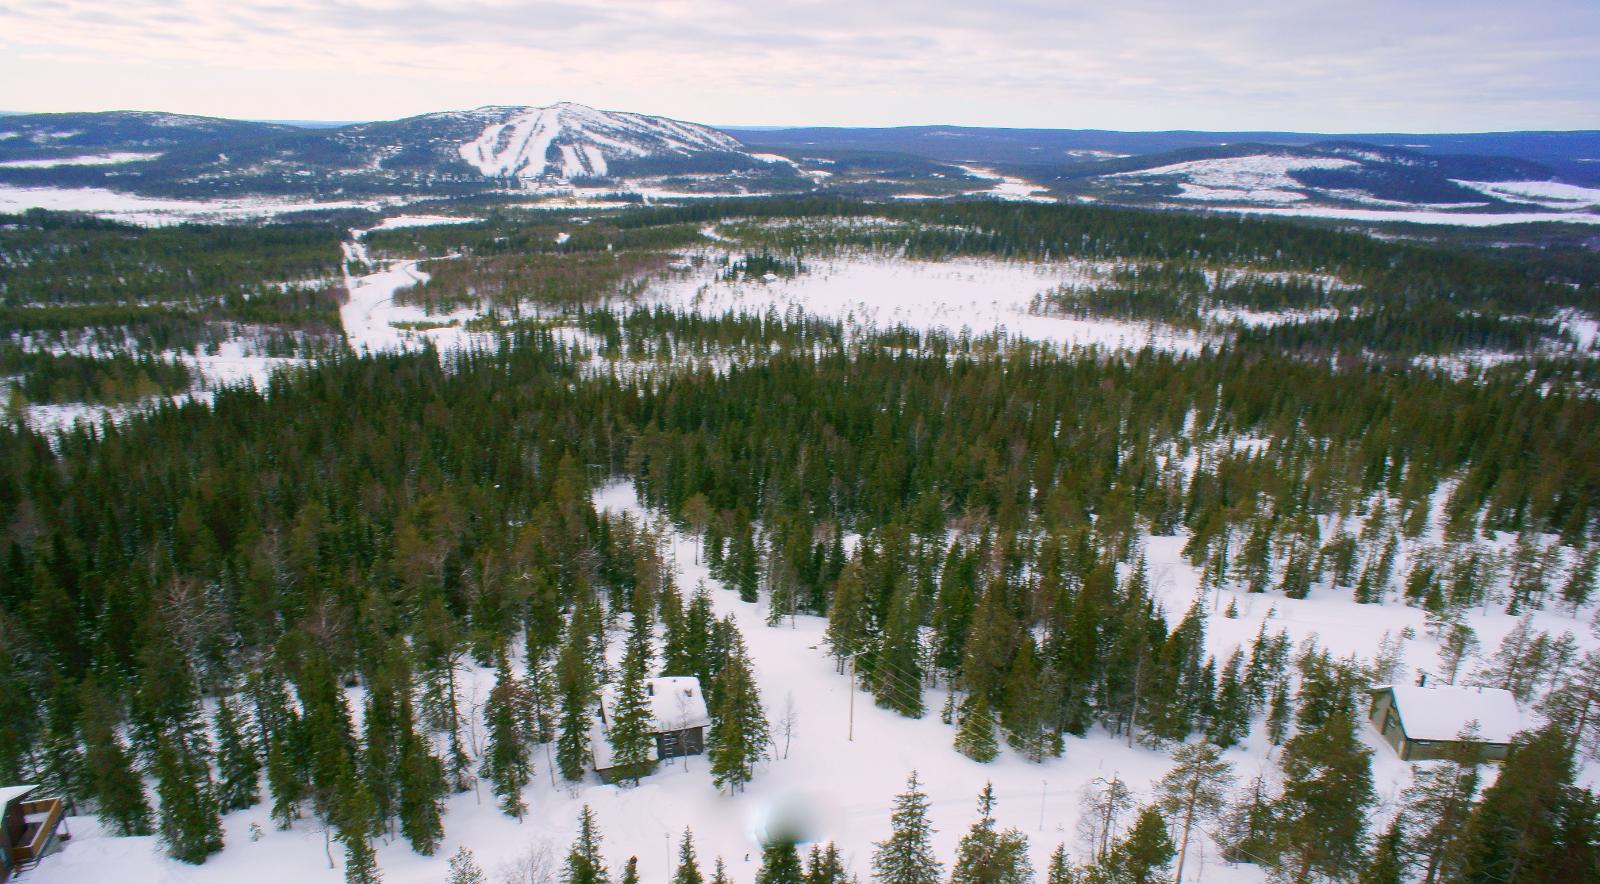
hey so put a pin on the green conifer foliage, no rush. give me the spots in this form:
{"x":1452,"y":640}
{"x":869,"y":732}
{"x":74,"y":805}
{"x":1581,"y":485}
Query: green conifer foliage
{"x":584,"y":863}
{"x":976,"y":737}
{"x":507,"y":762}
{"x":238,"y":764}
{"x":190,"y":823}
{"x":906,"y":856}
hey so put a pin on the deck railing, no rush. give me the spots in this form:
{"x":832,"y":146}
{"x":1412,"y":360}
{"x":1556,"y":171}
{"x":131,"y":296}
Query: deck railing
{"x":38,"y":838}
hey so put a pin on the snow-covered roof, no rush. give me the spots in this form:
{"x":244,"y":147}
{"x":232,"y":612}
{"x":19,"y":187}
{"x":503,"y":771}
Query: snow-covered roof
{"x":9,"y":794}
{"x":1440,"y":713}
{"x":676,"y":703}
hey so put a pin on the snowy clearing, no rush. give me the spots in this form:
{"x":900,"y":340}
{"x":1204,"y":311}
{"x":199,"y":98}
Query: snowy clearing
{"x":103,"y":159}
{"x":156,"y":211}
{"x":870,"y":292}
{"x":1549,"y":194}
{"x":1263,"y":178}
{"x":1461,"y":219}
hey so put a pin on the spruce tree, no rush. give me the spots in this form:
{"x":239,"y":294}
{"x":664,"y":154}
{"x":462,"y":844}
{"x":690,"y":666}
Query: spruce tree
{"x":975,"y":738}
{"x":354,"y":817}
{"x":575,"y":681}
{"x":688,"y":871}
{"x":506,"y":761}
{"x":630,"y":871}
{"x":238,"y":765}
{"x":1320,"y":820}
{"x":1230,"y":720}
{"x":780,"y":864}
{"x":422,"y":784}
{"x":825,"y":866}
{"x":719,"y":874}
{"x":1387,"y":865}
{"x":632,"y":731}
{"x":190,"y":822}
{"x":739,"y":732}
{"x":287,"y":782}
{"x":464,"y":868}
{"x":584,"y":863}
{"x":1145,"y":856}
{"x":988,"y":856}
{"x":906,"y":856}
{"x":120,"y":802}
{"x":1533,"y":824}
{"x":1059,"y":871}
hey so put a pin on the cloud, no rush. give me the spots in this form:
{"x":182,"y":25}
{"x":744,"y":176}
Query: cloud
{"x":1227,"y":64}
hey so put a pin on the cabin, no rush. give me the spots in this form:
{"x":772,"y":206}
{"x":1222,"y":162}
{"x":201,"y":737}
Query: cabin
{"x":678,"y":715}
{"x":30,"y":828}
{"x":1423,"y":723}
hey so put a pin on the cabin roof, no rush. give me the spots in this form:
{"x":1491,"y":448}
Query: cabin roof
{"x":9,"y":794}
{"x":676,"y":703}
{"x":1440,"y":713}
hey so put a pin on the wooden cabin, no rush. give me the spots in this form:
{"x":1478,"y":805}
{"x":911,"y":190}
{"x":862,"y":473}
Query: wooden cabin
{"x":1424,"y":723}
{"x":679,"y":721}
{"x":30,"y":828}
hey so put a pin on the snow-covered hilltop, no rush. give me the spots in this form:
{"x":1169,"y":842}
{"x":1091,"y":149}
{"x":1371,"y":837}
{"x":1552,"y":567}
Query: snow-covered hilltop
{"x":568,"y":141}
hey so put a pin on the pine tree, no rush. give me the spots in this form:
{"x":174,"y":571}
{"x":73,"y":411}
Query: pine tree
{"x":506,"y":761}
{"x":739,"y":732}
{"x":720,"y":873}
{"x":630,"y":871}
{"x":632,"y":725}
{"x":1436,"y":804}
{"x":1104,"y":804}
{"x":1320,"y":820}
{"x":780,"y":864}
{"x":584,"y":863}
{"x":988,"y":856}
{"x":1194,"y":791}
{"x":907,"y":856}
{"x":238,"y":765}
{"x":119,"y":795}
{"x":190,"y":822}
{"x":688,"y":871}
{"x":464,"y":869}
{"x":975,"y":738}
{"x":287,"y":782}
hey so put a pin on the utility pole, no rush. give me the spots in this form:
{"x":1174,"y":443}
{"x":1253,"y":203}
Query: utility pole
{"x":852,"y":736}
{"x":1044,"y":785}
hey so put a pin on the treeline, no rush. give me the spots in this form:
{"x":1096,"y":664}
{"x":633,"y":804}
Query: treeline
{"x":46,"y":377}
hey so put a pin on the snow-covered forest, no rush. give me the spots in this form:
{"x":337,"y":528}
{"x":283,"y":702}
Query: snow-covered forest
{"x":1006,"y":543}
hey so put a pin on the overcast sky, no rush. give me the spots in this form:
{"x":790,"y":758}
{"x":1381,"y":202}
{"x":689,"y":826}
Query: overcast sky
{"x":1310,"y":65}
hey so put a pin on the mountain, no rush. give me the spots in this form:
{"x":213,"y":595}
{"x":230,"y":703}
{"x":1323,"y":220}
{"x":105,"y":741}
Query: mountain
{"x":440,"y":154}
{"x":512,"y":152}
{"x":1569,"y":153}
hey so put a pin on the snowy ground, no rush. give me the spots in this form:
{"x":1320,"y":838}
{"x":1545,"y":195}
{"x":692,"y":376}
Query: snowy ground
{"x":846,"y":784}
{"x":155,"y":211}
{"x":978,"y":295}
{"x":1418,"y":216}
